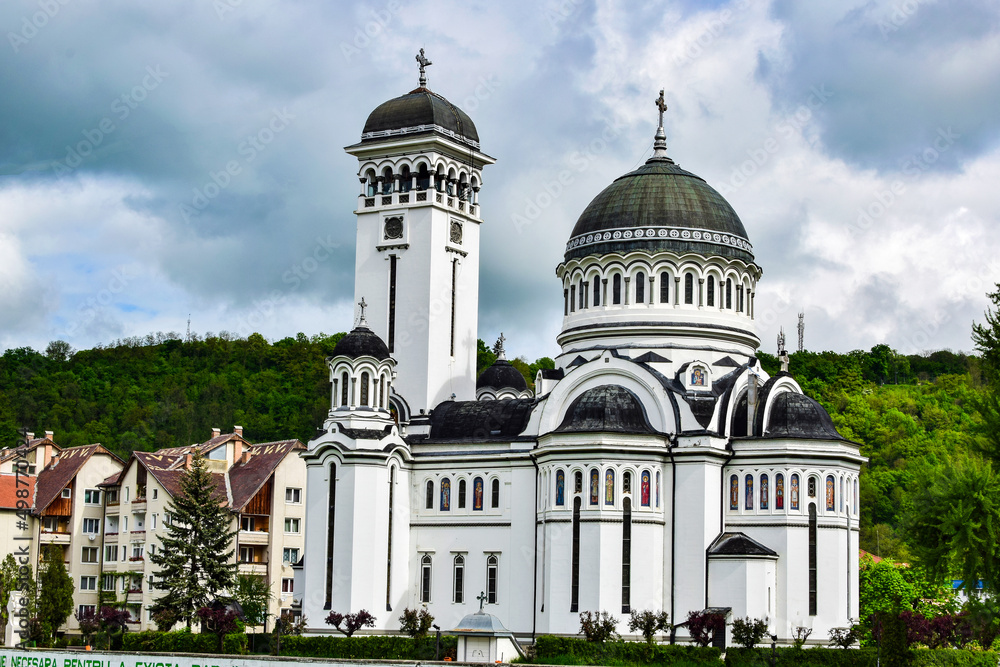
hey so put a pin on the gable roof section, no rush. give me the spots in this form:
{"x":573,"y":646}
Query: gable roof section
{"x":245,"y":479}
{"x":8,"y":453}
{"x":9,"y":487}
{"x":739,"y":544}
{"x":58,"y":474}
{"x":168,"y":470}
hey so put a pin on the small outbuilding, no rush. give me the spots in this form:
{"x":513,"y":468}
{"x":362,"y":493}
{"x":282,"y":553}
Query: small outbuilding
{"x":483,"y":638}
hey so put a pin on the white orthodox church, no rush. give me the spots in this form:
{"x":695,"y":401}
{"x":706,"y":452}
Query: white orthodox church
{"x":657,"y":467}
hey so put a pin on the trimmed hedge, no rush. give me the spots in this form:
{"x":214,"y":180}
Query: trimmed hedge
{"x":571,"y":650}
{"x":183,"y":642}
{"x":866,"y":657}
{"x":366,"y":647}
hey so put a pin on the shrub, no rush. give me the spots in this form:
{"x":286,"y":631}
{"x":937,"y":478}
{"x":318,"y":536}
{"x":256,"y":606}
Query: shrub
{"x":165,"y":619}
{"x":372,"y":647}
{"x":220,"y":622}
{"x":844,"y":637}
{"x":748,"y":632}
{"x":598,"y":626}
{"x":575,"y":651}
{"x":703,"y":626}
{"x":648,"y":623}
{"x":352,"y":622}
{"x":416,"y":623}
{"x":183,"y":642}
{"x":800,"y":636}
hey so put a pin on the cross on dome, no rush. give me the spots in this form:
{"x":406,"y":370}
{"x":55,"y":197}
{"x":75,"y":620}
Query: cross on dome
{"x":498,"y":348}
{"x":482,"y":598}
{"x":362,"y":322}
{"x":424,"y":62}
{"x":660,"y":140}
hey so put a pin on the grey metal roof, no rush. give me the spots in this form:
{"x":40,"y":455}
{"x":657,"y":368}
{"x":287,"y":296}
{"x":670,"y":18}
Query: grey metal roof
{"x":607,"y":408}
{"x":659,"y":206}
{"x":502,"y":375}
{"x":419,"y":110}
{"x":795,"y":415}
{"x":481,"y":623}
{"x":361,"y":342}
{"x":738,"y":544}
{"x":478,"y":421}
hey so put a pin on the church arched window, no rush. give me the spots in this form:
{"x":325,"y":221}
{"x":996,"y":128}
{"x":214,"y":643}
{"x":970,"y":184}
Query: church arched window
{"x":812,"y":487}
{"x":572,"y":298}
{"x":423,"y":177}
{"x":710,"y":298}
{"x":429,"y":500}
{"x":597,"y":291}
{"x":627,"y":556}
{"x":582,"y":290}
{"x":657,"y":489}
{"x":765,"y":492}
{"x":365,"y":379}
{"x":387,"y":181}
{"x":644,"y":490}
{"x":689,"y":288}
{"x":574,"y":586}
{"x":495,"y":494}
{"x":461,"y":494}
{"x":425,"y":578}
{"x":578,"y":482}
{"x":734,"y":492}
{"x":779,"y":491}
{"x":626,"y":482}
{"x":560,"y":488}
{"x":477,"y":494}
{"x":640,"y":287}
{"x":748,"y":492}
{"x":388,"y":546}
{"x":458,"y":580}
{"x":729,"y":293}
{"x":343,"y":388}
{"x":370,"y":183}
{"x":595,"y":486}
{"x":664,"y":287}
{"x":616,"y":289}
{"x":405,"y":179}
{"x":492,"y":571}
{"x":609,"y":487}
{"x":831,"y":494}
{"x":812,"y":559}
{"x":793,"y":491}
{"x":445,"y":502}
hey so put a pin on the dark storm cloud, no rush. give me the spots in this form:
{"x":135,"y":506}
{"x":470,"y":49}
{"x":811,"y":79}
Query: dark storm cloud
{"x":902,"y":72}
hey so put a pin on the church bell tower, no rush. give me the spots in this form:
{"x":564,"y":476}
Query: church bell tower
{"x":417,"y":257}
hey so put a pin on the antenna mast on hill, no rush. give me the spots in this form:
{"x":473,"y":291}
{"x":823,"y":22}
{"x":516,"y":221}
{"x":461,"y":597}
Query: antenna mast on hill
{"x":188,"y":339}
{"x":802,"y":331}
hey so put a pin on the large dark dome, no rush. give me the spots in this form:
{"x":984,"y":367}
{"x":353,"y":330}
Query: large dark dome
{"x":501,"y":375}
{"x":609,"y":407}
{"x":361,"y":342}
{"x":418,"y":112}
{"x":659,"y":206}
{"x":796,"y":415}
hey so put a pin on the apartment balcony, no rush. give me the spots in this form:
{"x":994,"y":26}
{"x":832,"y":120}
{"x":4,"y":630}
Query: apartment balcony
{"x":55,"y":537}
{"x":111,"y":537}
{"x":254,"y":537}
{"x":134,"y":595}
{"x":253,"y":568}
{"x":113,"y":507}
{"x":136,"y":563}
{"x":139,"y":505}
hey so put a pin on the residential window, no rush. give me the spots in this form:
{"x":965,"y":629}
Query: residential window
{"x":67,"y":492}
{"x":458,"y":580}
{"x":88,"y":583}
{"x":293,"y":495}
{"x":152,"y":522}
{"x":425,"y":578}
{"x":86,"y":610}
{"x":89,"y":555}
{"x":292,"y":525}
{"x":246,"y":554}
{"x":124,"y":524}
{"x":92,"y":497}
{"x":112,"y":496}
{"x":492,"y":565}
{"x":108,"y":582}
{"x":92,"y":526}
{"x":287,"y":585}
{"x":290,"y":555}
{"x":126,"y":494}
{"x":156,"y":492}
{"x":247,"y":524}
{"x":111,"y":554}
{"x":137,"y":551}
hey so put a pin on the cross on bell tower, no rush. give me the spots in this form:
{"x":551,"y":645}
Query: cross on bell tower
{"x":424,"y":62}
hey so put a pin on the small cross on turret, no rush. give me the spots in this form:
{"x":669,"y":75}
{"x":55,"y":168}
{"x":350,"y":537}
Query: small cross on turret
{"x":482,"y":600}
{"x":661,"y":105}
{"x":498,"y":348}
{"x":362,"y":322}
{"x":660,"y":141}
{"x":424,"y":62}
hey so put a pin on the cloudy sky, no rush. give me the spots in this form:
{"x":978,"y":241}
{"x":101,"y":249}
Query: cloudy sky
{"x":858,"y":141}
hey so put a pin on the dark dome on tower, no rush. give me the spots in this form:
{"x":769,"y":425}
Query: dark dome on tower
{"x":361,"y":342}
{"x":609,"y":407}
{"x":501,"y":375}
{"x":420,"y":112}
{"x":657,"y":207}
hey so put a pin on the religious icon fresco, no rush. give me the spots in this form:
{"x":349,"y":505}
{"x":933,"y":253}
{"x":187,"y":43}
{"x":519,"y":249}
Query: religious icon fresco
{"x":560,"y":487}
{"x":763,"y":492}
{"x":795,"y":491}
{"x":657,"y":488}
{"x":698,"y":377}
{"x":734,"y":492}
{"x":779,"y":491}
{"x":644,"y":492}
{"x":595,"y":486}
{"x":445,"y":494}
{"x":831,"y":504}
{"x":477,"y":494}
{"x":749,"y":492}
{"x":609,"y":487}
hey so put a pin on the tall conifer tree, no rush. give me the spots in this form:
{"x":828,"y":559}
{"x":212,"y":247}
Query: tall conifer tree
{"x":195,"y":560}
{"x":55,"y":590}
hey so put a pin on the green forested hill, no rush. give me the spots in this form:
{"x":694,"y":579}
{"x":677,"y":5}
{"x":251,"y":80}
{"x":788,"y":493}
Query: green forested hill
{"x":153,"y":392}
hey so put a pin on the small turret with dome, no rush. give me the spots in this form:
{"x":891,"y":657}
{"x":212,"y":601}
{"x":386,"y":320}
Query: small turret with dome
{"x":658,"y":253}
{"x":501,"y":379}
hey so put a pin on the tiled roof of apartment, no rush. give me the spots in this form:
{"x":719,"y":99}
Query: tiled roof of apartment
{"x":168,"y":470}
{"x":8,"y":453}
{"x":8,"y":490}
{"x":61,"y":471}
{"x":247,"y":478}
{"x":113,"y":479}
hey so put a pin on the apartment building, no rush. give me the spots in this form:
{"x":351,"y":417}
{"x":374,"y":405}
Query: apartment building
{"x":17,"y":483}
{"x":262,"y":484}
{"x":68,"y":510}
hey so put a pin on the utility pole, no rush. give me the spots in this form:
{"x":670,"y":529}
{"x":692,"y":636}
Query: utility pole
{"x":802,"y":331}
